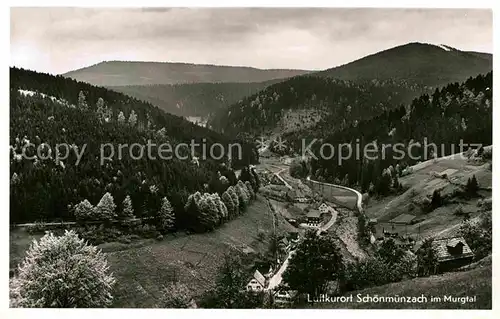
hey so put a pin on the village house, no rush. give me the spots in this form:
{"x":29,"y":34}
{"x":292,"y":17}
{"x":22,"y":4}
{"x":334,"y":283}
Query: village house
{"x":275,"y":180}
{"x":324,"y":208}
{"x":313,"y":217}
{"x":395,"y":227}
{"x":302,"y":199}
{"x":257,"y":282}
{"x":296,"y":196}
{"x":452,"y":253}
{"x":284,"y":296}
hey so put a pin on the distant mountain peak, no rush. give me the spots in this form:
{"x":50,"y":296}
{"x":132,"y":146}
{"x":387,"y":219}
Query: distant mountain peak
{"x":420,"y":63}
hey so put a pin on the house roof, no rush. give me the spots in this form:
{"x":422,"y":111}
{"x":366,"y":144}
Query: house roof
{"x":441,"y":246}
{"x":260,"y":278}
{"x":285,"y":293}
{"x":314,"y":213}
{"x":403,"y":219}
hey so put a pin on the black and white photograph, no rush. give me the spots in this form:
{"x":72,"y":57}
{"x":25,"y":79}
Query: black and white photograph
{"x":250,"y":158}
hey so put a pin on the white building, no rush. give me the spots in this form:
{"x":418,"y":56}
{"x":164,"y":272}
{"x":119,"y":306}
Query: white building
{"x":257,"y":282}
{"x":284,"y":296}
{"x":325,"y":208}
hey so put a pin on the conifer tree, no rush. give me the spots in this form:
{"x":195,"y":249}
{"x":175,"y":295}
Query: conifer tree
{"x":132,"y":119}
{"x":105,"y":209}
{"x":82,"y":103}
{"x":14,"y":179}
{"x":250,"y":190}
{"x":228,"y":201}
{"x":128,"y":210}
{"x":100,"y":110}
{"x":166,"y":215}
{"x":472,"y":186}
{"x":121,"y":118}
{"x":234,"y":196}
{"x":242,"y":193}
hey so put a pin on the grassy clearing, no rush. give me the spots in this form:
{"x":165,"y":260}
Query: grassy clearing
{"x":193,"y":260}
{"x":19,"y":242}
{"x":336,"y":195}
{"x":142,"y":268}
{"x":475,"y":282}
{"x":289,"y":210}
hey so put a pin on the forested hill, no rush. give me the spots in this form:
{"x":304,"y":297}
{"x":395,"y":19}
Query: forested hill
{"x":455,"y":113}
{"x":46,"y":110}
{"x":119,"y":73}
{"x":193,"y":99}
{"x":415,"y":63}
{"x":354,"y":91}
{"x":305,"y":101}
{"x":176,"y":127}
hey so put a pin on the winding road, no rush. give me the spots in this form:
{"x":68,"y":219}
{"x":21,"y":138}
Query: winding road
{"x":359,"y":197}
{"x":275,"y":280}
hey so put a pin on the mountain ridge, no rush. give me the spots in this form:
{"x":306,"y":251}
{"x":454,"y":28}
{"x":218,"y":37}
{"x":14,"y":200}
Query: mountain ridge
{"x":124,"y":73}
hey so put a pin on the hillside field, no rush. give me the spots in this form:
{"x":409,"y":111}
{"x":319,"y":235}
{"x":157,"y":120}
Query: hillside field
{"x":143,"y":268}
{"x":476,"y":282}
{"x":441,"y":222}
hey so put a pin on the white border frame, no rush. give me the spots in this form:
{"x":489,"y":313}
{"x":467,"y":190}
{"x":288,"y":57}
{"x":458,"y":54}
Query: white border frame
{"x":290,"y":314}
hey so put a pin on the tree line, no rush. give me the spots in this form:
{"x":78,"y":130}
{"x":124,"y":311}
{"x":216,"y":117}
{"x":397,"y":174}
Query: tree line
{"x":44,"y":188}
{"x":454,"y":114}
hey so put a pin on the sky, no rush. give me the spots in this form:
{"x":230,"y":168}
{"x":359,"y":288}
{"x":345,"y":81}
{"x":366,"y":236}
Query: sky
{"x":58,"y":40}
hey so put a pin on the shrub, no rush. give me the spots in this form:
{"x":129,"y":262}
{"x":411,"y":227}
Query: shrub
{"x":242,"y":193}
{"x":478,"y":235}
{"x":261,"y":235}
{"x":298,"y":169}
{"x":62,"y":272}
{"x":375,"y":272}
{"x":176,"y":295}
{"x":426,"y":259}
{"x":250,"y":190}
{"x":36,"y":228}
{"x":365,"y":199}
{"x":487,"y":153}
{"x":125,"y":240}
{"x":487,"y":204}
{"x":99,"y":234}
{"x":147,"y":231}
{"x":84,"y":211}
